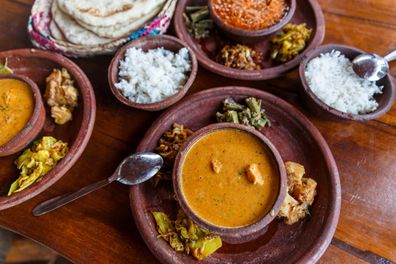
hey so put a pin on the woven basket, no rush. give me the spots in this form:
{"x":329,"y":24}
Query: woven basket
{"x":40,"y":18}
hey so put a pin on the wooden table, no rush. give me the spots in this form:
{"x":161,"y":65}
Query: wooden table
{"x":99,"y":228}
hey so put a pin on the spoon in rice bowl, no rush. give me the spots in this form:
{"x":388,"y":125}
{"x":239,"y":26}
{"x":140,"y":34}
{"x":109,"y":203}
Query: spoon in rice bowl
{"x":371,"y":66}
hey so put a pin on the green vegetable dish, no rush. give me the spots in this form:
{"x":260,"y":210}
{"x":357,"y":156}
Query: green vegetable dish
{"x":37,"y":161}
{"x":198,"y":21}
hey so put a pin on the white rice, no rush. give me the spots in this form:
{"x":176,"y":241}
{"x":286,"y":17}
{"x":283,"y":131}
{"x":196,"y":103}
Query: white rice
{"x":152,"y":76}
{"x":332,"y":79}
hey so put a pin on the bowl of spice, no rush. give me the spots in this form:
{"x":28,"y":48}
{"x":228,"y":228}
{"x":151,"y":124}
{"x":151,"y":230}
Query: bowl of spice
{"x":249,"y":21}
{"x":333,"y":90}
{"x":22,"y":113}
{"x":153,"y":72}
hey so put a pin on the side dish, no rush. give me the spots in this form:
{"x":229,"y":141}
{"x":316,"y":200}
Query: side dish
{"x":250,"y":114}
{"x":37,"y":161}
{"x":227,"y":198}
{"x":239,"y":57}
{"x":300,"y":195}
{"x":152,"y":76}
{"x":61,"y":95}
{"x":198,"y":21}
{"x":332,"y":79}
{"x":250,"y":14}
{"x":290,"y":42}
{"x":16,"y":108}
{"x":4,"y":69}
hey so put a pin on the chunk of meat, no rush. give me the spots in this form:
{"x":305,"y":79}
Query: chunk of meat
{"x":306,"y":191}
{"x":294,"y":172}
{"x":253,"y":174}
{"x":216,"y":165}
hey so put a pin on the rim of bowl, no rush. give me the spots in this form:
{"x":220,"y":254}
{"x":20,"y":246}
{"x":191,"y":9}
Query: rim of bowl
{"x":256,"y":32}
{"x":307,"y":90}
{"x":231,"y":234}
{"x":23,"y":138}
{"x":155,"y":106}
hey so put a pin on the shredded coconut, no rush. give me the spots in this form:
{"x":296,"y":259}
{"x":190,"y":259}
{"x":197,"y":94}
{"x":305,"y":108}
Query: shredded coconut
{"x":332,"y":79}
{"x":152,"y":76}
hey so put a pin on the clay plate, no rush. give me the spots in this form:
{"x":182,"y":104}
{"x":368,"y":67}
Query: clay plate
{"x":296,"y":139}
{"x":146,"y":43}
{"x":307,"y":11}
{"x":37,"y":65}
{"x":385,"y":99}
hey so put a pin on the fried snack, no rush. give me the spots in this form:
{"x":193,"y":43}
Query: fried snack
{"x":184,"y":235}
{"x":250,"y":114}
{"x":239,"y":57}
{"x":290,"y":42}
{"x":168,"y":147}
{"x":301,"y":192}
{"x":37,"y":161}
{"x":61,"y":95}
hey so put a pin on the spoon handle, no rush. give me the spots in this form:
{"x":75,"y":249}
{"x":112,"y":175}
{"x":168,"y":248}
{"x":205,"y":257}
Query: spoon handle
{"x":391,"y":56}
{"x":61,"y":200}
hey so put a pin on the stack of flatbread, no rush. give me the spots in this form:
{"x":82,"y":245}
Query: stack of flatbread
{"x":99,"y":22}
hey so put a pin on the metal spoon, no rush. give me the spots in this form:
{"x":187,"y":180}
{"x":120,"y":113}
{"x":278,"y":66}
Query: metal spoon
{"x":133,"y":170}
{"x":371,"y":66}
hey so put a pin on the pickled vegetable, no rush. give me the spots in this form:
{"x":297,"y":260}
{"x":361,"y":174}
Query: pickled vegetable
{"x":37,"y":161}
{"x":290,"y":42}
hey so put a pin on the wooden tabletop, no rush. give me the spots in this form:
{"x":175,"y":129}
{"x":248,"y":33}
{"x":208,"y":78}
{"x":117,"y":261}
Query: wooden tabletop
{"x":99,"y":228}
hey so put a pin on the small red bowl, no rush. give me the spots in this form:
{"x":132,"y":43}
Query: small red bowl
{"x":32,"y":127}
{"x":251,"y":36}
{"x":238,"y":234}
{"x":146,"y":43}
{"x":317,"y":106}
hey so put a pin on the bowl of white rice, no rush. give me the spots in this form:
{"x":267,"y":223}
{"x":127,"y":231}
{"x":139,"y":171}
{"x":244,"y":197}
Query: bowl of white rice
{"x":331,"y":89}
{"x":152,"y":73}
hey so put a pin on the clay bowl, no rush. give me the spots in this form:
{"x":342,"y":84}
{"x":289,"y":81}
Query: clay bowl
{"x":239,"y":234}
{"x":251,"y":36}
{"x":317,"y":106}
{"x":146,"y":43}
{"x":37,"y":65}
{"x":32,"y":127}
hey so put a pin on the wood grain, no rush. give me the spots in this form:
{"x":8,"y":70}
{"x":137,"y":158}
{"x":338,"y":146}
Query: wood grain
{"x":99,"y":228}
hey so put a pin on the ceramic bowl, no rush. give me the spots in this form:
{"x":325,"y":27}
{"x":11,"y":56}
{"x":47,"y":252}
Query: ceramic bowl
{"x":32,"y":127}
{"x":238,"y":234}
{"x":146,"y":43}
{"x":251,"y":36}
{"x":385,"y":99}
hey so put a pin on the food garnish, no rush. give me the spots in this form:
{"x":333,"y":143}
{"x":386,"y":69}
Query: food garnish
{"x":216,"y":165}
{"x":332,"y":79}
{"x":301,"y":192}
{"x":183,"y":235}
{"x":198,"y":21}
{"x":250,"y":14}
{"x":168,"y":147}
{"x":250,"y":114}
{"x":239,"y":57}
{"x":152,"y":76}
{"x":37,"y":161}
{"x":4,"y":69}
{"x":253,"y":174}
{"x":61,"y":95}
{"x":290,"y":42}
{"x":16,"y":108}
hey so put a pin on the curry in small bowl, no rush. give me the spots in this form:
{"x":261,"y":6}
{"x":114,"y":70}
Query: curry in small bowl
{"x":231,"y":180}
{"x":22,"y":113}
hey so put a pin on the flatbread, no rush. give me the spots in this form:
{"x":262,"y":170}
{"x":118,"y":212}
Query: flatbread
{"x":78,"y":10}
{"x":100,"y":8}
{"x":55,"y":32}
{"x":73,"y":32}
{"x":121,"y":30}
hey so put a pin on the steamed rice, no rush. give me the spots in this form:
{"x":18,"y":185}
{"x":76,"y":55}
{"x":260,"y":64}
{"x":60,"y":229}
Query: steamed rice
{"x":332,"y":79}
{"x":152,"y":76}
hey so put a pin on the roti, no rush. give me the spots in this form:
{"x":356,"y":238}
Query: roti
{"x":55,"y":32}
{"x":88,"y":11}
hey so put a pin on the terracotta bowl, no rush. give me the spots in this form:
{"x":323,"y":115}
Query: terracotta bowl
{"x":251,"y":36}
{"x":317,"y":106}
{"x":33,"y":126}
{"x":239,"y":234}
{"x":146,"y":43}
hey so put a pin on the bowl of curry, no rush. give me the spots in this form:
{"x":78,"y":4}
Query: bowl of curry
{"x":230,"y":179}
{"x":22,"y":113}
{"x":249,"y":21}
